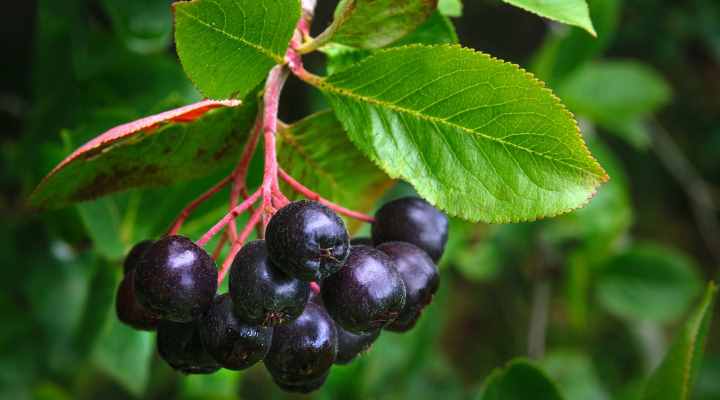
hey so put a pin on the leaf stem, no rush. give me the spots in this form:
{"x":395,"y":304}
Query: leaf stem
{"x":326,"y":36}
{"x":239,"y":209}
{"x":303,"y":190}
{"x":185,"y":213}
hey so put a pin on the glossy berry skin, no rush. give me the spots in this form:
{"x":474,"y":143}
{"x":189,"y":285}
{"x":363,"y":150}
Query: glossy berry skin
{"x":412,"y":220}
{"x":135,"y":255}
{"x":179,"y":344}
{"x":421,"y":279}
{"x":305,"y":387}
{"x":128,"y":309}
{"x":176,"y":279}
{"x":304,"y":350}
{"x":233,"y":343}
{"x":307,"y":240}
{"x":351,"y":344}
{"x":262,"y":293}
{"x":367,"y":294}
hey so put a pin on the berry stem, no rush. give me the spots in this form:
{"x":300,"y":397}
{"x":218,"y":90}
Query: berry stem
{"x":300,"y":188}
{"x":315,"y":287}
{"x":239,"y":209}
{"x":220,"y":245}
{"x":273,"y":87}
{"x":237,"y":245}
{"x":239,"y":175}
{"x":175,"y":227}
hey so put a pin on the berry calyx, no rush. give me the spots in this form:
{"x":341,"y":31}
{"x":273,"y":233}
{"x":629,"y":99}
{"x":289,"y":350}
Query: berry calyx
{"x":412,"y":220}
{"x":128,"y":309}
{"x":135,"y":255}
{"x":234,"y":343}
{"x":262,"y":293}
{"x":303,"y":351}
{"x":307,"y":240}
{"x":350,"y":345}
{"x":176,"y":279}
{"x":180,"y":346}
{"x":421,"y":279}
{"x":367,"y":294}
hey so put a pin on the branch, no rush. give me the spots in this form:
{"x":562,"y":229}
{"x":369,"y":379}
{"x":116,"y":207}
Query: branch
{"x":701,"y":200}
{"x":300,"y":188}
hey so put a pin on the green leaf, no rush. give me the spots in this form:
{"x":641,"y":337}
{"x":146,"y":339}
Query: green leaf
{"x":571,"y":12}
{"x":227,"y":47}
{"x":519,"y":380}
{"x":450,"y":8}
{"x":575,"y":375}
{"x":373,"y":24}
{"x":438,"y":29}
{"x":478,"y":137}
{"x":125,"y":354}
{"x":145,"y":26}
{"x":648,"y":282}
{"x":616,"y":95}
{"x":221,"y":385}
{"x":156,"y":150}
{"x":317,"y":152}
{"x":674,"y":378}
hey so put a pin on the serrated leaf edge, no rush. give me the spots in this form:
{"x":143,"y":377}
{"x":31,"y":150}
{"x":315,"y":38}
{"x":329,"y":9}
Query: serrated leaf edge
{"x":321,"y":83}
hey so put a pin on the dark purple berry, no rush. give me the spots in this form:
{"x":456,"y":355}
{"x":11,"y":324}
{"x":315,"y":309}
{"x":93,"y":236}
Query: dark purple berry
{"x":176,"y":279}
{"x":128,"y":310}
{"x":367,"y":294}
{"x":412,"y":220}
{"x":351,"y":344}
{"x":421,"y":281}
{"x":180,"y":346}
{"x":303,"y":386}
{"x":135,"y":255}
{"x":361,"y":241}
{"x":307,"y":240}
{"x":235,"y":344}
{"x":304,"y":350}
{"x":263,"y":294}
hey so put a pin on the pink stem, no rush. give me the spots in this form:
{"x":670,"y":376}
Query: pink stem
{"x":220,"y":246}
{"x":240,"y":174}
{"x":228,"y":217}
{"x":175,"y":228}
{"x":298,"y":187}
{"x":273,"y":87}
{"x":237,"y":245}
{"x":315,"y":287}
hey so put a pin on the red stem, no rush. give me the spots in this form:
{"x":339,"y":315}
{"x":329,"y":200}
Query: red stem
{"x":300,"y":188}
{"x":315,"y":287}
{"x":240,"y":174}
{"x":273,"y":87}
{"x":175,"y":228}
{"x":228,"y":217}
{"x":237,"y":245}
{"x":220,"y":246}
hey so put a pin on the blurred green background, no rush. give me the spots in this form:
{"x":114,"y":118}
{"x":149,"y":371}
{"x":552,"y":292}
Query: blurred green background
{"x":593,"y":297}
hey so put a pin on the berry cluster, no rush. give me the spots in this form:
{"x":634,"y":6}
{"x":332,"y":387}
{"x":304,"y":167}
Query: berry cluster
{"x":301,"y":300}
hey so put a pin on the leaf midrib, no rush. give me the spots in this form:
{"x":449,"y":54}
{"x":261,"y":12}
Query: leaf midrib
{"x":258,"y":48}
{"x":324,"y":84}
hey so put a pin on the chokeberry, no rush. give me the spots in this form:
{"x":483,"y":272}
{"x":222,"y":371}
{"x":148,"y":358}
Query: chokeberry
{"x":303,"y":351}
{"x":234,"y":343}
{"x":412,"y":220}
{"x":176,"y":279}
{"x":307,"y":240}
{"x":367,"y":294}
{"x":136,"y":254}
{"x":262,"y":293}
{"x":179,"y":344}
{"x":129,"y":310}
{"x":421,"y":281}
{"x":305,"y":386}
{"x":351,"y":344}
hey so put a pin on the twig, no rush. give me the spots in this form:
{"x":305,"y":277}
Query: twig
{"x":326,"y":36}
{"x":701,"y":200}
{"x":300,"y":188}
{"x":242,"y":207}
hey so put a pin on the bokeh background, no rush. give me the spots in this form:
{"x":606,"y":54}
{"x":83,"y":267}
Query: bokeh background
{"x":594,"y":297}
